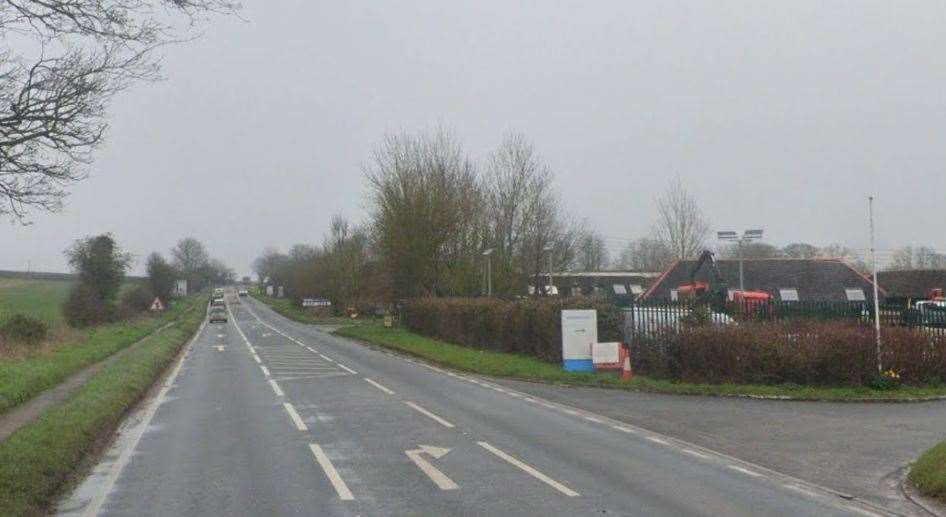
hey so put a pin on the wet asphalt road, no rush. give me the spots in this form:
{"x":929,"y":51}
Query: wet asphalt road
{"x":269,"y":417}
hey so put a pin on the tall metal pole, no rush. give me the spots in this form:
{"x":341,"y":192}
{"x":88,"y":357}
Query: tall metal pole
{"x":742,"y":284}
{"x":550,"y":274}
{"x":489,"y":277}
{"x":873,"y":266}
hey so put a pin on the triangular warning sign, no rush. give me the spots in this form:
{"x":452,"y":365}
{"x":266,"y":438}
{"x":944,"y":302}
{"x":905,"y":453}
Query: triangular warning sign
{"x":156,"y":305}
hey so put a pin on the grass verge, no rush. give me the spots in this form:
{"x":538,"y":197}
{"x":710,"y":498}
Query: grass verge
{"x":285,"y":307}
{"x":38,"y":459}
{"x":24,"y":378}
{"x":498,"y":364}
{"x":928,"y":474}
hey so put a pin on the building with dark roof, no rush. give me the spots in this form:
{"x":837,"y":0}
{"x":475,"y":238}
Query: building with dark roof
{"x":786,"y":279}
{"x":909,"y":286}
{"x":606,"y":283}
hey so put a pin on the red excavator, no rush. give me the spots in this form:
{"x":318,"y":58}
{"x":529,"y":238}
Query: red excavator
{"x":716,"y":291}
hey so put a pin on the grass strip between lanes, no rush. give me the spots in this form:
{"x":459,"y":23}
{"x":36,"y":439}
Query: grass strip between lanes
{"x":928,"y":474}
{"x":514,"y":366}
{"x":22,"y":379}
{"x":39,"y":459}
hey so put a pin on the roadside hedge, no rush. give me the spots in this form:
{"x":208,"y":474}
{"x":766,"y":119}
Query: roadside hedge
{"x":531,"y":327}
{"x":805,"y":352}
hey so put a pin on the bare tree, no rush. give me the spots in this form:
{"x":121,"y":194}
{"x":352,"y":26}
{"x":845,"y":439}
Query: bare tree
{"x":921,"y":257}
{"x":800,"y":250}
{"x":681,"y":225}
{"x":645,"y":254}
{"x":592,"y":252}
{"x":519,"y":201}
{"x":54,"y":92}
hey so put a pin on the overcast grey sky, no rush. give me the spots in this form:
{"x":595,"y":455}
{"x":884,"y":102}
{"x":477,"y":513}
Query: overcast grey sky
{"x":780,"y":115}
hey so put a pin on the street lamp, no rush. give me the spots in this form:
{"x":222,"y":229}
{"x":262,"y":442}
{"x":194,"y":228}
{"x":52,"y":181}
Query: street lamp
{"x":489,"y":272}
{"x":548,"y":249}
{"x":748,"y":235}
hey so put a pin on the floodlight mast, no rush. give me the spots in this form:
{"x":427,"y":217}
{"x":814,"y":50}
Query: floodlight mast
{"x":748,"y":235}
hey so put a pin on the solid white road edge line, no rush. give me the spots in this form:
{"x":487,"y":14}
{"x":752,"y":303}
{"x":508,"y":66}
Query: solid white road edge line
{"x":265,"y":370}
{"x":327,"y":358}
{"x":276,"y":388}
{"x":95,"y":505}
{"x":337,"y":482}
{"x":428,"y":414}
{"x":528,"y":469}
{"x":379,"y":386}
{"x":296,"y":419}
{"x":347,"y":369}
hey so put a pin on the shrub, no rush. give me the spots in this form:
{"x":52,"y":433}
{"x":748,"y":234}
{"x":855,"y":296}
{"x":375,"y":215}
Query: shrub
{"x":531,"y":327}
{"x":84,"y":307}
{"x":24,"y":329}
{"x":806,"y":352}
{"x":137,"y":299}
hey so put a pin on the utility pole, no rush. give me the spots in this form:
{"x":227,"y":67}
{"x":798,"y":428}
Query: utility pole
{"x":748,"y":235}
{"x":873,"y":267}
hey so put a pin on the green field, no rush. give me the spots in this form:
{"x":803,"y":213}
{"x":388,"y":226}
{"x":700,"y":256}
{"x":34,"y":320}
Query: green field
{"x":39,"y":298}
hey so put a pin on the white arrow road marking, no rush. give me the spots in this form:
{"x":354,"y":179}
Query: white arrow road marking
{"x":296,"y":419}
{"x":428,"y":414}
{"x":439,"y":478}
{"x":340,"y":487}
{"x":220,"y":348}
{"x":529,"y":470}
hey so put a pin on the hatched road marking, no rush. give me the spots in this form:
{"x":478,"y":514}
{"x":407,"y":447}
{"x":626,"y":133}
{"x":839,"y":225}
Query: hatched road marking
{"x":337,"y":482}
{"x":528,"y":469}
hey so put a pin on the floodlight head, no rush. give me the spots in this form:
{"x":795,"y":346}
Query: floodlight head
{"x":727,"y":236}
{"x":487,"y":252}
{"x":752,"y":234}
{"x":548,"y":247}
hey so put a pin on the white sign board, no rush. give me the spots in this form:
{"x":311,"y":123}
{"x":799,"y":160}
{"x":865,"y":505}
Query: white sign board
{"x":156,"y":305}
{"x":606,"y":353}
{"x":316,"y":302}
{"x":579,"y":332}
{"x":269,"y":290}
{"x":180,"y":288}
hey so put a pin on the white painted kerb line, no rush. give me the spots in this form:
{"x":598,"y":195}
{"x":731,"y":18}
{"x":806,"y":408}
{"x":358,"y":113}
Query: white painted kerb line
{"x":428,"y":414}
{"x":379,"y":386}
{"x":296,"y":419}
{"x":276,"y":388}
{"x":337,"y":482}
{"x":529,"y":470}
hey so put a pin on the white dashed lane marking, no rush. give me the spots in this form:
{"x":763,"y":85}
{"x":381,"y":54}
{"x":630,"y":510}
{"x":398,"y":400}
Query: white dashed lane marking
{"x":380,"y":386}
{"x":428,"y":414}
{"x":337,"y":482}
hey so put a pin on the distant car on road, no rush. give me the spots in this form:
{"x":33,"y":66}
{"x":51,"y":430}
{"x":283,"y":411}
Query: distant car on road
{"x":242,"y":292}
{"x":218,"y":315}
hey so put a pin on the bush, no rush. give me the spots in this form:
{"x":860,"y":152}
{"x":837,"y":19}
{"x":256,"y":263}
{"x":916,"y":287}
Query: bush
{"x":84,"y":308}
{"x":24,"y":329}
{"x":531,"y":327}
{"x":805,"y":352}
{"x":137,"y":299}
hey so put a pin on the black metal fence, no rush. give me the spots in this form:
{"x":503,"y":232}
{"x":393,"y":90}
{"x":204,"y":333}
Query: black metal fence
{"x":649,"y":319}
